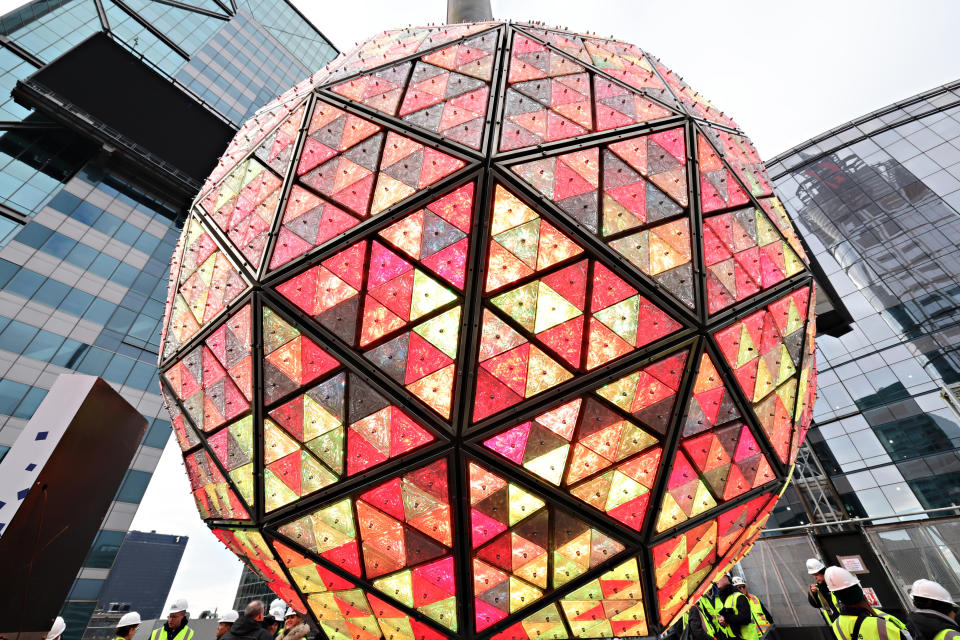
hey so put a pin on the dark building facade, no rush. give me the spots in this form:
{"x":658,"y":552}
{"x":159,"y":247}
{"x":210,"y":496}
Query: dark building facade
{"x":877,"y":201}
{"x":250,"y":588}
{"x":93,"y":194}
{"x":143,"y":572}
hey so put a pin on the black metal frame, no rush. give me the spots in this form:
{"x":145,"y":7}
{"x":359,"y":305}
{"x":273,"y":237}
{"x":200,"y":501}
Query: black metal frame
{"x":456,"y":439}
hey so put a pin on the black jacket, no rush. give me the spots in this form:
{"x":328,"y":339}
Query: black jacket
{"x":246,"y":629}
{"x":740,"y":614}
{"x":925,"y":624}
{"x":695,"y":629}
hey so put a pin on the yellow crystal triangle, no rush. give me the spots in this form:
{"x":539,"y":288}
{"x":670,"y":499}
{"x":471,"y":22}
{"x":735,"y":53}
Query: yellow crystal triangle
{"x":521,"y":504}
{"x":552,"y":309}
{"x":428,"y":294}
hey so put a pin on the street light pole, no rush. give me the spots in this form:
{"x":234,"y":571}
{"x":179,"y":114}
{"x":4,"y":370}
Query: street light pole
{"x":468,"y":11}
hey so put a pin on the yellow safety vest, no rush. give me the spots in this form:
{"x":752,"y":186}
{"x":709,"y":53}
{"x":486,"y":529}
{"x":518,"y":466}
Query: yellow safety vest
{"x":186,"y":633}
{"x":891,"y":618}
{"x":712,"y":607}
{"x":872,"y":627}
{"x":708,"y":613}
{"x":947,"y":634}
{"x":757,"y":610}
{"x":825,"y":608}
{"x":749,"y":631}
{"x":708,"y":609}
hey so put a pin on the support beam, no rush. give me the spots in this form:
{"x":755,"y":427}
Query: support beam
{"x":468,"y":11}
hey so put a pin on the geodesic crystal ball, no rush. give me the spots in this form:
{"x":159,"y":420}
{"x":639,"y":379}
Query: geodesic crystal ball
{"x":489,"y":329}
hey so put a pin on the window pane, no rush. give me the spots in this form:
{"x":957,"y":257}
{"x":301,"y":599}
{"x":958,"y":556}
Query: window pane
{"x":134,"y":486}
{"x":104,"y":549}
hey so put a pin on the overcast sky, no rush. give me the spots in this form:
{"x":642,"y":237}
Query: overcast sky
{"x":785,"y":71}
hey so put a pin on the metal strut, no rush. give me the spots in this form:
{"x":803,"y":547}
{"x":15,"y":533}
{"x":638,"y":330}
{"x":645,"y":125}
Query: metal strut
{"x":468,"y":11}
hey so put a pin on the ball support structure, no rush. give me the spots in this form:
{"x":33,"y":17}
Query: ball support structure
{"x":429,"y":497}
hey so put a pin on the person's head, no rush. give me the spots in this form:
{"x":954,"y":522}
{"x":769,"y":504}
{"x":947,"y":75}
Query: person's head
{"x":927,"y":594}
{"x":128,"y":624}
{"x":723,"y":582}
{"x":292,"y":618}
{"x":226,"y":621}
{"x":739,"y":584}
{"x":177,"y":613}
{"x":254,"y":611}
{"x":816,"y":569}
{"x":270,"y":623}
{"x":845,"y":586}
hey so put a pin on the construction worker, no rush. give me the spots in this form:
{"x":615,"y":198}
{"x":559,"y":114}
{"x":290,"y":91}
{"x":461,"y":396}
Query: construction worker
{"x":294,"y":628}
{"x":735,"y":616}
{"x":59,"y":626}
{"x":175,"y":628}
{"x":857,"y":619}
{"x":248,"y":626}
{"x":225,"y":622}
{"x":819,"y":596}
{"x":127,"y":626}
{"x":271,"y":625}
{"x":936,"y":614}
{"x":760,"y":614}
{"x":702,"y":624}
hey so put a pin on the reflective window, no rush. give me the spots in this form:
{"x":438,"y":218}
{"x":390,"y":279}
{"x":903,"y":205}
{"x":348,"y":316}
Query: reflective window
{"x":880,"y":209}
{"x":104,"y":549}
{"x":133,"y":487}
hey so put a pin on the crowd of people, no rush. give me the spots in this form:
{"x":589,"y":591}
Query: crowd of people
{"x":255,"y":623}
{"x":731,"y":612}
{"x":728,"y":612}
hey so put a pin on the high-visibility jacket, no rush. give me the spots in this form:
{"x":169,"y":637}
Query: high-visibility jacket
{"x":749,"y":631}
{"x":871,"y":627}
{"x":825,"y":606}
{"x":758,"y":616}
{"x":891,"y":618}
{"x":947,"y":634}
{"x":185,"y":633}
{"x":712,"y":606}
{"x":708,"y":611}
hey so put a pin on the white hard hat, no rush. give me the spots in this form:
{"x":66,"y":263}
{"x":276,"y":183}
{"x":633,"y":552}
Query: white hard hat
{"x":178,"y":606}
{"x":229,"y":616}
{"x":814,"y":566}
{"x":291,"y":612}
{"x":738,"y":581}
{"x":129,"y":619}
{"x":59,"y":626}
{"x":277,"y":607}
{"x":929,"y":589}
{"x":838,"y":578}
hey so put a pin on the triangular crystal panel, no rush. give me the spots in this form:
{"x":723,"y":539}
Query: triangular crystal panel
{"x":633,"y":195}
{"x":539,"y":324}
{"x":523,"y":549}
{"x":206,"y":282}
{"x":604,"y":447}
{"x":765,"y":349}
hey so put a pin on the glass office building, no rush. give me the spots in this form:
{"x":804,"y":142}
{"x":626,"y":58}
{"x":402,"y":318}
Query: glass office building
{"x":877,"y":200}
{"x":90,"y":211}
{"x":142,"y":574}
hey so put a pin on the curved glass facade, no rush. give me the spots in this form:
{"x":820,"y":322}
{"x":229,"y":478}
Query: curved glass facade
{"x":877,"y":201}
